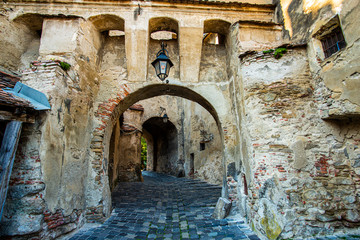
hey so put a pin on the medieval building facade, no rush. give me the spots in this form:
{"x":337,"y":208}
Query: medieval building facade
{"x":262,"y":98}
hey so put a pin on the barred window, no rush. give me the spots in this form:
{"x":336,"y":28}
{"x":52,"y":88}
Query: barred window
{"x":333,"y":42}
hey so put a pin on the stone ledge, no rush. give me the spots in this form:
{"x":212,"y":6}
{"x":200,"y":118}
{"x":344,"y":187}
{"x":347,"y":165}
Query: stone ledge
{"x":261,"y":53}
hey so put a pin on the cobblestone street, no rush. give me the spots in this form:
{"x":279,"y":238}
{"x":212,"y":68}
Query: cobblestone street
{"x":165,"y":207}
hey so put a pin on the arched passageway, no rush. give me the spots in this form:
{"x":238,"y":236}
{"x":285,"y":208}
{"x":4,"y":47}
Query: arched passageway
{"x":165,"y":146}
{"x":152,"y":124}
{"x":127,"y":97}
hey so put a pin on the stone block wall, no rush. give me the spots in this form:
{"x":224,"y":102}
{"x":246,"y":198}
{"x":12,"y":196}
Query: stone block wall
{"x":304,"y":180}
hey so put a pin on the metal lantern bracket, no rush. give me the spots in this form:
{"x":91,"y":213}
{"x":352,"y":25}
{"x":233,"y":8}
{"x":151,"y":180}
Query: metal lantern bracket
{"x":163,"y":49}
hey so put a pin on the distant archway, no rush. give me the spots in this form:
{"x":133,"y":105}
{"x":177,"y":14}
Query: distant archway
{"x":165,"y":145}
{"x":149,"y":92}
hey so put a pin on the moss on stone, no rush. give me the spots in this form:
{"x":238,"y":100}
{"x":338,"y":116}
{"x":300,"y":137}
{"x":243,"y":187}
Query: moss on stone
{"x":65,"y":66}
{"x":271,"y":227}
{"x":252,"y":226}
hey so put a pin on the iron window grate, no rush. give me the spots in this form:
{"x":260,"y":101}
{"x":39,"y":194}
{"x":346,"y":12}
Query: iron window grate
{"x":333,"y":42}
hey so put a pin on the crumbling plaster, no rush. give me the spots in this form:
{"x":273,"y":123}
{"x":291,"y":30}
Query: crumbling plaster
{"x":293,"y":153}
{"x":312,"y":148}
{"x":336,"y":83}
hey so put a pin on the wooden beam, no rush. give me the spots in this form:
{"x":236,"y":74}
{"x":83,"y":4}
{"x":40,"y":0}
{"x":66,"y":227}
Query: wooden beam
{"x":7,"y":155}
{"x":9,"y":116}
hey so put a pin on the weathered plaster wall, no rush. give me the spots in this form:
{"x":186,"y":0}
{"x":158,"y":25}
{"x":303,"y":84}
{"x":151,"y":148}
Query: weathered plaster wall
{"x":304,"y":179}
{"x":299,"y":16}
{"x":213,"y":66}
{"x":337,"y":76}
{"x":258,"y":36}
{"x":308,"y":185}
{"x":17,"y":38}
{"x":129,"y":163}
{"x":63,"y":131}
{"x":128,"y":156}
{"x":112,"y":59}
{"x":200,"y":127}
{"x":114,"y":152}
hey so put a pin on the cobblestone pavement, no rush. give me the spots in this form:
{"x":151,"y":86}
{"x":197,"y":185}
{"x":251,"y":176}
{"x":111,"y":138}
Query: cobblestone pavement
{"x":165,"y":207}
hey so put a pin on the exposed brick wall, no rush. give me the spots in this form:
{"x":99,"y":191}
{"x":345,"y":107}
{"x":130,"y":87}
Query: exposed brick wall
{"x":56,"y":224}
{"x":106,"y":116}
{"x":232,"y":189}
{"x":25,"y":204}
{"x":94,"y":214}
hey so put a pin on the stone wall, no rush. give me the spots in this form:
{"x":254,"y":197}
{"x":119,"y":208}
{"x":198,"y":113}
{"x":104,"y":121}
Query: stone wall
{"x":202,"y":140}
{"x":336,"y":76}
{"x":304,"y":179}
{"x":125,"y":148}
{"x":62,"y":134}
{"x":297,"y":177}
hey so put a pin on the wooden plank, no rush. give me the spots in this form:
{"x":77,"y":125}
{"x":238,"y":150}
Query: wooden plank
{"x":7,"y":155}
{"x":8,"y":116}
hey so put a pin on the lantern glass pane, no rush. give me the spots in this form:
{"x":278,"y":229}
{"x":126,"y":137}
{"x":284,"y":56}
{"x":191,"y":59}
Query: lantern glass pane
{"x":163,"y":67}
{"x":157,"y":67}
{"x":167,"y":69}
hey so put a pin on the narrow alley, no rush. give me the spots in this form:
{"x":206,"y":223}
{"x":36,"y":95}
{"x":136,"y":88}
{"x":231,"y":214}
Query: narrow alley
{"x":166,"y":207}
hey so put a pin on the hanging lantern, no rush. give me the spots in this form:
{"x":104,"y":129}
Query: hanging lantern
{"x":162,"y":63}
{"x":165,"y":118}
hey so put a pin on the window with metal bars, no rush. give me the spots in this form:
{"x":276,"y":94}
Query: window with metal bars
{"x":333,"y":42}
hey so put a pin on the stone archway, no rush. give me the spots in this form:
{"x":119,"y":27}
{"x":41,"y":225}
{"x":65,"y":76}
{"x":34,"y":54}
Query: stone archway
{"x":108,"y":113}
{"x":165,"y":145}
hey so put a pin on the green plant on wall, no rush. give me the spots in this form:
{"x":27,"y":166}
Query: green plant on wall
{"x":268,"y":51}
{"x":65,"y":66}
{"x":143,"y":153}
{"x":279,"y":52}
